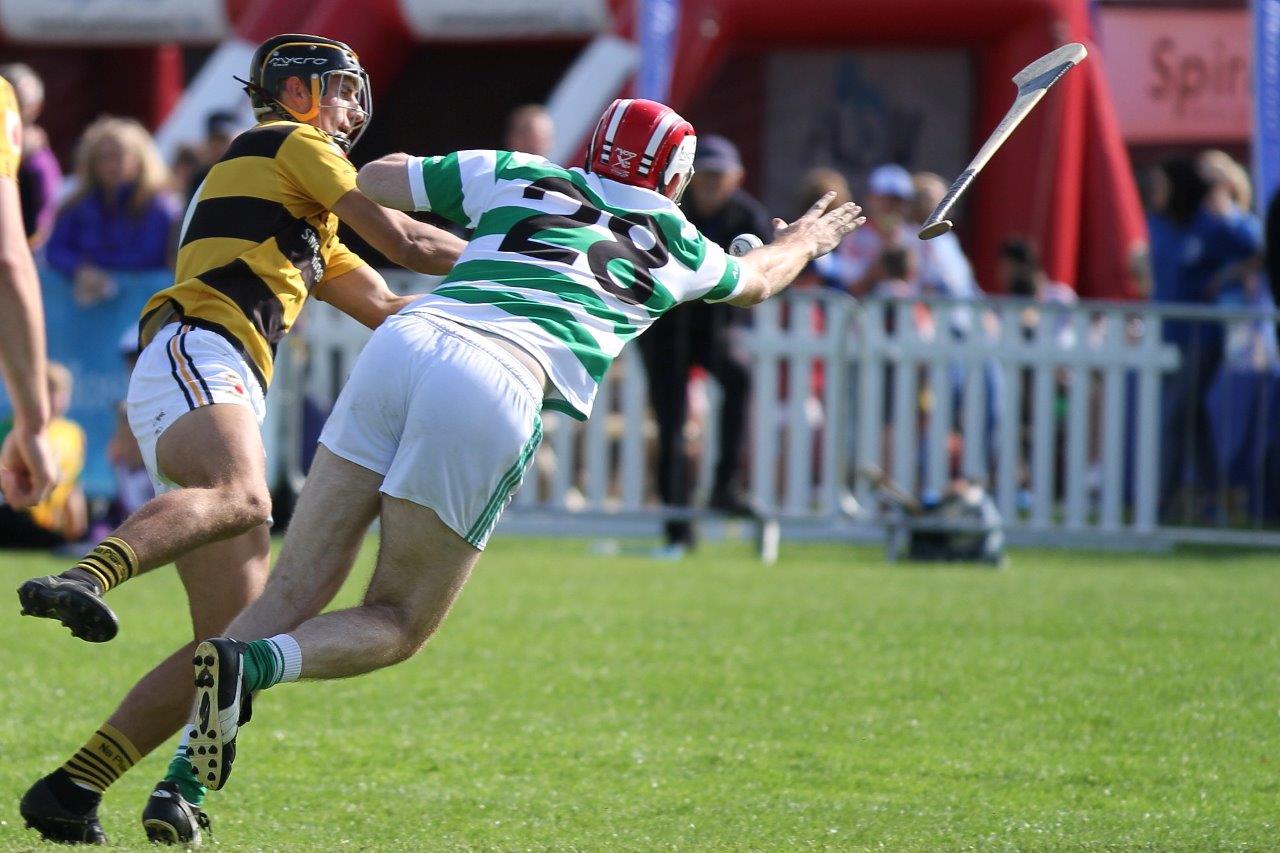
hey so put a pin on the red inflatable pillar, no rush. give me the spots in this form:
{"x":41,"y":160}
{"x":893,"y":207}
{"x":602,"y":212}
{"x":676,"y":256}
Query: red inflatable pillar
{"x":1032,"y":186}
{"x":1113,"y":226}
{"x":375,"y":30}
{"x":141,"y":81}
{"x":700,"y":44}
{"x":266,"y":18}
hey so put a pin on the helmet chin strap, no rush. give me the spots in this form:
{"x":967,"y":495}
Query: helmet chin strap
{"x":315,"y":103}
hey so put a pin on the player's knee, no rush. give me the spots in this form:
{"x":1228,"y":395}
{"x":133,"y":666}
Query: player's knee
{"x":255,"y":504}
{"x":405,"y":649}
{"x":402,"y":636}
{"x":250,"y":504}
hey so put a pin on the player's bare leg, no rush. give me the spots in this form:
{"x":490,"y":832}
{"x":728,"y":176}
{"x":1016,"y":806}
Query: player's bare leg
{"x":224,"y":497}
{"x":224,"y":486}
{"x":334,"y":511}
{"x":337,"y":506}
{"x":220,"y":579}
{"x":421,"y":568}
{"x":215,"y":453}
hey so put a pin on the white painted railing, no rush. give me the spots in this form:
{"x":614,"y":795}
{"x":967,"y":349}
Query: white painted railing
{"x":1060,"y":418}
{"x":1084,"y":355}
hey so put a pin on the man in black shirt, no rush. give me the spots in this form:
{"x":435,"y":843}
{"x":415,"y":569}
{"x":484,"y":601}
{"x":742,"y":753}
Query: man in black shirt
{"x":700,"y":334}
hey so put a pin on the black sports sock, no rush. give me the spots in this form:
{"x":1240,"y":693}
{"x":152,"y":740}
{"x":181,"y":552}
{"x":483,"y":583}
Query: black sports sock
{"x":109,"y":564}
{"x":81,"y":575}
{"x":73,"y":797}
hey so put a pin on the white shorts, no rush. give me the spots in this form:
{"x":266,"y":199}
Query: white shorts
{"x":447,"y":417}
{"x":184,"y":368}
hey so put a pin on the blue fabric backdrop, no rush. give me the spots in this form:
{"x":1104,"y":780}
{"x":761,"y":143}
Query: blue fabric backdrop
{"x":87,"y":340}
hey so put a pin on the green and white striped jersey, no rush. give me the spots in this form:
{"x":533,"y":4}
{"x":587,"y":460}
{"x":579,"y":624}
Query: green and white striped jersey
{"x":565,"y":264}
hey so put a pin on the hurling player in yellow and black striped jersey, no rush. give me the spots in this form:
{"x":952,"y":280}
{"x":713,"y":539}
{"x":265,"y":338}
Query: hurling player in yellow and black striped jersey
{"x":258,"y":239}
{"x":27,"y":470}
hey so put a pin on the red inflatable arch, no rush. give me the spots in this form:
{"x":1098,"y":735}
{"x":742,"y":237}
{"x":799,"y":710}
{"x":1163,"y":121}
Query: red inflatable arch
{"x":1064,"y":178}
{"x":376,"y":24}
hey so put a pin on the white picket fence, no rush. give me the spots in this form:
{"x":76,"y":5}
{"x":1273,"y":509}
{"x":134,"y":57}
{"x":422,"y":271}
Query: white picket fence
{"x":1083,"y":353}
{"x":1082,"y":471}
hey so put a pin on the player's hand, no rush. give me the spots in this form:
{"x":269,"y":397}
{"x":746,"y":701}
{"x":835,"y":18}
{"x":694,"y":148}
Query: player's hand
{"x":822,"y":229}
{"x":91,"y":286}
{"x":27,"y":469}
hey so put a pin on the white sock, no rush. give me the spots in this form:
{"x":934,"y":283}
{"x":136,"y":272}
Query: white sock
{"x":181,"y":751}
{"x":291,"y":653}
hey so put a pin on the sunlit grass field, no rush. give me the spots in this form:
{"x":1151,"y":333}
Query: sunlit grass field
{"x":574,"y":701}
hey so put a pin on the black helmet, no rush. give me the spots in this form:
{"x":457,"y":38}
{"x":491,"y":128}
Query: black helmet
{"x":313,"y":59}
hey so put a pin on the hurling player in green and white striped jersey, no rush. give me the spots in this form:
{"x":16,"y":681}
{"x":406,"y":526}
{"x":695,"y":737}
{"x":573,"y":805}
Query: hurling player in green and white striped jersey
{"x":441,"y":415}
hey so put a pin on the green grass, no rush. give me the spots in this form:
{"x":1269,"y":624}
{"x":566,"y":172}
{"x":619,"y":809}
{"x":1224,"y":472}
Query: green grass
{"x":581,"y":702}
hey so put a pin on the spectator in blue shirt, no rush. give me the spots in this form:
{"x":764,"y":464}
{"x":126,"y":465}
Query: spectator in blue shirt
{"x":120,"y":217}
{"x":1172,"y":193}
{"x":944,"y":268}
{"x":1202,"y":245}
{"x":1230,"y":232}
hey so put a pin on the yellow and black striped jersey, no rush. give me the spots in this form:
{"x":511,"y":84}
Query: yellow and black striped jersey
{"x":258,"y":237}
{"x":11,"y":137}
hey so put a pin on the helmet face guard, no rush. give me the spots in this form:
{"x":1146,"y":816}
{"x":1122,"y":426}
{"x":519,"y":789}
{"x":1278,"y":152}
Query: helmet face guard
{"x":363,"y":105}
{"x":317,"y":61}
{"x":680,"y":167}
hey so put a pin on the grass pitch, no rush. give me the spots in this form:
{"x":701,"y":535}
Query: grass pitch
{"x":580,"y":702}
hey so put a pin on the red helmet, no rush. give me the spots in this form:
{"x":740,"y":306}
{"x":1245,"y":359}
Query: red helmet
{"x":644,"y":144}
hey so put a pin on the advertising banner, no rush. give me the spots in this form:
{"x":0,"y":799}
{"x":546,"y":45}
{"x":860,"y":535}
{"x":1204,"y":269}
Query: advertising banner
{"x":114,"y":21}
{"x":498,"y":19}
{"x":87,"y":340}
{"x":1178,"y":75}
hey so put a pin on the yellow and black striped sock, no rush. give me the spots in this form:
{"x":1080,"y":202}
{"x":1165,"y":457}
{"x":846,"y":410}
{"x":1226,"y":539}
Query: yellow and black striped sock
{"x":110,"y":563}
{"x":103,"y":759}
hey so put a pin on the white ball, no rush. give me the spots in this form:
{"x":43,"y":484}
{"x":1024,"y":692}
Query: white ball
{"x":744,"y":243}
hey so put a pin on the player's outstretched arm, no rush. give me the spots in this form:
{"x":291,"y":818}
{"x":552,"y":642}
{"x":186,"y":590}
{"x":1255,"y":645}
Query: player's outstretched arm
{"x":411,"y":244}
{"x":386,"y":181}
{"x":768,"y":270}
{"x":363,"y":295}
{"x":27,"y":470}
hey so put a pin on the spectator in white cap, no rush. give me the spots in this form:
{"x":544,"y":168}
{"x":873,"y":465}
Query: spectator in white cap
{"x":855,"y":264}
{"x":892,"y":182}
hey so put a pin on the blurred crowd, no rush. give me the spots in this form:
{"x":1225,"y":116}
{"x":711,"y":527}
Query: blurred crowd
{"x":1208,"y":249}
{"x":116,"y":212}
{"x":98,"y":229}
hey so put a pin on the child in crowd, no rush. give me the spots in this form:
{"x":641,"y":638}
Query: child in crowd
{"x":62,"y":517}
